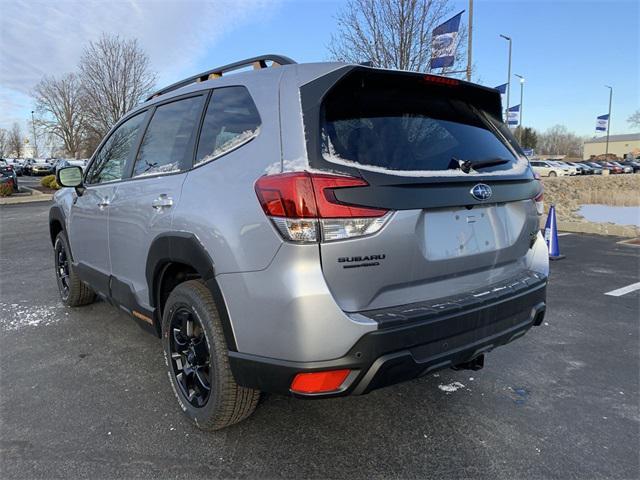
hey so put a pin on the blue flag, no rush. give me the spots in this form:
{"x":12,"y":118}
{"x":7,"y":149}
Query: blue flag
{"x":602,"y":123}
{"x":513,"y":115}
{"x":502,"y":88}
{"x":444,"y":41}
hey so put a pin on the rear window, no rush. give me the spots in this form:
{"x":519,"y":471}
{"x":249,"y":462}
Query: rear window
{"x":407,"y":126}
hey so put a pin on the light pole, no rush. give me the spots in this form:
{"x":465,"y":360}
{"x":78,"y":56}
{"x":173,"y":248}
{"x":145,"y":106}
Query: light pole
{"x":608,"y":120}
{"x":521,"y":102}
{"x":508,"y":76}
{"x":35,"y":142}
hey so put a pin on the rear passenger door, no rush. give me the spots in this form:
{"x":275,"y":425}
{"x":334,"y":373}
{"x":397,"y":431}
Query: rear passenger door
{"x":143,"y":205}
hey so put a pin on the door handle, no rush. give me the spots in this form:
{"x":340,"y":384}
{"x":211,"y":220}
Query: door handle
{"x":163,"y":201}
{"x":103,"y":203}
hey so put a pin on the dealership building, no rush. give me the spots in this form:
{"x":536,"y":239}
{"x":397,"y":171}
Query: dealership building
{"x":618,"y":144}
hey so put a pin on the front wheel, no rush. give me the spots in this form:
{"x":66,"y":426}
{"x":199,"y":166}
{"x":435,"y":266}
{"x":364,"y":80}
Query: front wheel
{"x":196,"y":356}
{"x":73,"y":291}
{"x":552,"y":174}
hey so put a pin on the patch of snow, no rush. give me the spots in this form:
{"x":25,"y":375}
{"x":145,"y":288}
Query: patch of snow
{"x":230,"y":144}
{"x":451,"y":387}
{"x":16,"y":317}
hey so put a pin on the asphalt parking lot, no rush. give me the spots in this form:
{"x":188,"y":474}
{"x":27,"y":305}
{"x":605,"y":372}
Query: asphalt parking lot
{"x":84,"y":392}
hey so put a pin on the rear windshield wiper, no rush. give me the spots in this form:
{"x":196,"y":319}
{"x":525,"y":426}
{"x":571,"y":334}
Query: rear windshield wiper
{"x":467,"y":165}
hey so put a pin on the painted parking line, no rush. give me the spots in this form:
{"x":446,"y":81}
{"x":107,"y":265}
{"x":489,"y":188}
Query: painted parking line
{"x":624,"y":290}
{"x":563,"y":234}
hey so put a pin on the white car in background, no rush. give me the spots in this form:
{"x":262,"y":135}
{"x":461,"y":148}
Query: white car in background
{"x":546,"y":168}
{"x":570,"y":169}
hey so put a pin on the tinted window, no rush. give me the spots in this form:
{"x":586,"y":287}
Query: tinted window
{"x":400,"y":124}
{"x":231,"y":120}
{"x":167,"y":143}
{"x":110,"y":161}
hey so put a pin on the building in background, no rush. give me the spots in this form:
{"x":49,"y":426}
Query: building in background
{"x":620,"y":145}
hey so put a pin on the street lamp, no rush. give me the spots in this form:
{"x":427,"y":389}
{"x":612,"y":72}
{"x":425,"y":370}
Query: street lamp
{"x":608,"y":120}
{"x":35,"y":141}
{"x":521,"y":100}
{"x":508,"y":75}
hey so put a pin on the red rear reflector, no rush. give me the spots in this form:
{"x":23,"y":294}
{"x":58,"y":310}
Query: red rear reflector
{"x":319,"y":382}
{"x":306,"y":195}
{"x":441,"y":80}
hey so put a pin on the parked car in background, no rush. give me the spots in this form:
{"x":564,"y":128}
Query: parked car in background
{"x":7,"y":171}
{"x":27,"y":163}
{"x":581,"y":168}
{"x":16,"y":164}
{"x":571,"y":170}
{"x":613,"y":168}
{"x":633,"y":164}
{"x":264,"y":247}
{"x":547,"y":169}
{"x":43,"y":168}
{"x":625,"y":168}
{"x":597,"y":169}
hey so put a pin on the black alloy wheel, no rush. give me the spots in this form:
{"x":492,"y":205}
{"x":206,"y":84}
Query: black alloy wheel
{"x":190,"y":357}
{"x":62,"y":269}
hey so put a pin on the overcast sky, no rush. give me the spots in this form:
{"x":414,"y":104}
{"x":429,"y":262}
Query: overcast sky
{"x":567,"y":50}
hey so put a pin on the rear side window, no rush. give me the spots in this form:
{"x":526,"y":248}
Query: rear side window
{"x":231,"y":120}
{"x":400,"y":124}
{"x":109,"y":163}
{"x":167,"y":145}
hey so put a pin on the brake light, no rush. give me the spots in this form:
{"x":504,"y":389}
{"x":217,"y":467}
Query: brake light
{"x":441,"y":80}
{"x":319,"y":382}
{"x":304,"y":207}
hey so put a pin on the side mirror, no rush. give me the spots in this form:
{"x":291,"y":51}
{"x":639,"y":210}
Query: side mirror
{"x":70,"y":177}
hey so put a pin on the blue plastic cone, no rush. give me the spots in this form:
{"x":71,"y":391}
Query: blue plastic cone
{"x":551,"y":235}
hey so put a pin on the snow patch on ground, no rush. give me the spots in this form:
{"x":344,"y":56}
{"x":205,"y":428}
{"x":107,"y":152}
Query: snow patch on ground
{"x":451,"y":387}
{"x":16,"y":316}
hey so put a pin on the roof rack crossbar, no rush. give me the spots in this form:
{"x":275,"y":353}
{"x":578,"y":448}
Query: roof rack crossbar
{"x":257,"y":63}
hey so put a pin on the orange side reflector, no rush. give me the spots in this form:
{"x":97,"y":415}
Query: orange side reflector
{"x":318,"y":382}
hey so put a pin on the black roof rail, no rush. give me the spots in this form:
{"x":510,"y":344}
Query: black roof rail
{"x":257,"y":62}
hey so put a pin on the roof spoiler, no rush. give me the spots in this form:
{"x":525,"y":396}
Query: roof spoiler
{"x":258,"y":63}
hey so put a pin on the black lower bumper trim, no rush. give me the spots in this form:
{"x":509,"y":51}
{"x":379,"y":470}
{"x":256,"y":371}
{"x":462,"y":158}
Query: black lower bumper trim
{"x":395,"y":354}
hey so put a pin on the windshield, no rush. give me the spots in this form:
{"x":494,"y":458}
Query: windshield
{"x":393,"y":126}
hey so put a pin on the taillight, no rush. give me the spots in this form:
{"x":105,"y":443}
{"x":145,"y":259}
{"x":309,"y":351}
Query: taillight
{"x":540,"y":198}
{"x":304,"y":208}
{"x":319,"y":382}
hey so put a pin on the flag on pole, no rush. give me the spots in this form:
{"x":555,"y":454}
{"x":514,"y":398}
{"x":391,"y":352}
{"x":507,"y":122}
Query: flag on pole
{"x":602,"y":122}
{"x":513,"y":116}
{"x":444,"y":40}
{"x":502,"y":88}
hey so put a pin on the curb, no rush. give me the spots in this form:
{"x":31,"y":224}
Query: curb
{"x":35,"y":196}
{"x":628,"y":231}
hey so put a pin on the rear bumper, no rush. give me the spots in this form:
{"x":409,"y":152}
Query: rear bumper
{"x":414,"y":340}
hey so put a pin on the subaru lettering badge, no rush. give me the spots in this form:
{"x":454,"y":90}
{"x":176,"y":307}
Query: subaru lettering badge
{"x":481,"y":192}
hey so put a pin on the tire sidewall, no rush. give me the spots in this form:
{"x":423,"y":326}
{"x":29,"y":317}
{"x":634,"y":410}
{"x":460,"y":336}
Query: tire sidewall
{"x":184,"y":297}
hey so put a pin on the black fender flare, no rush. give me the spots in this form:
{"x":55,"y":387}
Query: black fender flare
{"x":185,"y":248}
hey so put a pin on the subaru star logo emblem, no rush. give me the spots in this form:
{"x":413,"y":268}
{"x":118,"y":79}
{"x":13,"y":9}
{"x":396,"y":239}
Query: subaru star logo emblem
{"x":481,"y":192}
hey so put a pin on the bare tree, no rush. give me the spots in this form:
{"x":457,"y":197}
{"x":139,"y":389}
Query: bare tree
{"x":58,"y":103}
{"x":391,"y":33}
{"x":634,"y":119}
{"x":4,"y":142}
{"x":558,"y":140}
{"x":115,"y":78}
{"x":15,"y":140}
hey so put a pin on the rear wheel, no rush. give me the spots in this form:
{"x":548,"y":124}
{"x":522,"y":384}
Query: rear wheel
{"x":73,"y":291}
{"x":552,"y":174}
{"x":195,"y":353}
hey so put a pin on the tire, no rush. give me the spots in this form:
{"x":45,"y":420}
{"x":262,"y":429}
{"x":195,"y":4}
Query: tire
{"x":225,"y":402}
{"x":552,"y":174}
{"x":73,"y":291}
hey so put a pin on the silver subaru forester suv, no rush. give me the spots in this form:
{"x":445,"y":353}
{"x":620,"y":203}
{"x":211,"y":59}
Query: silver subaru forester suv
{"x":314,"y":230}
